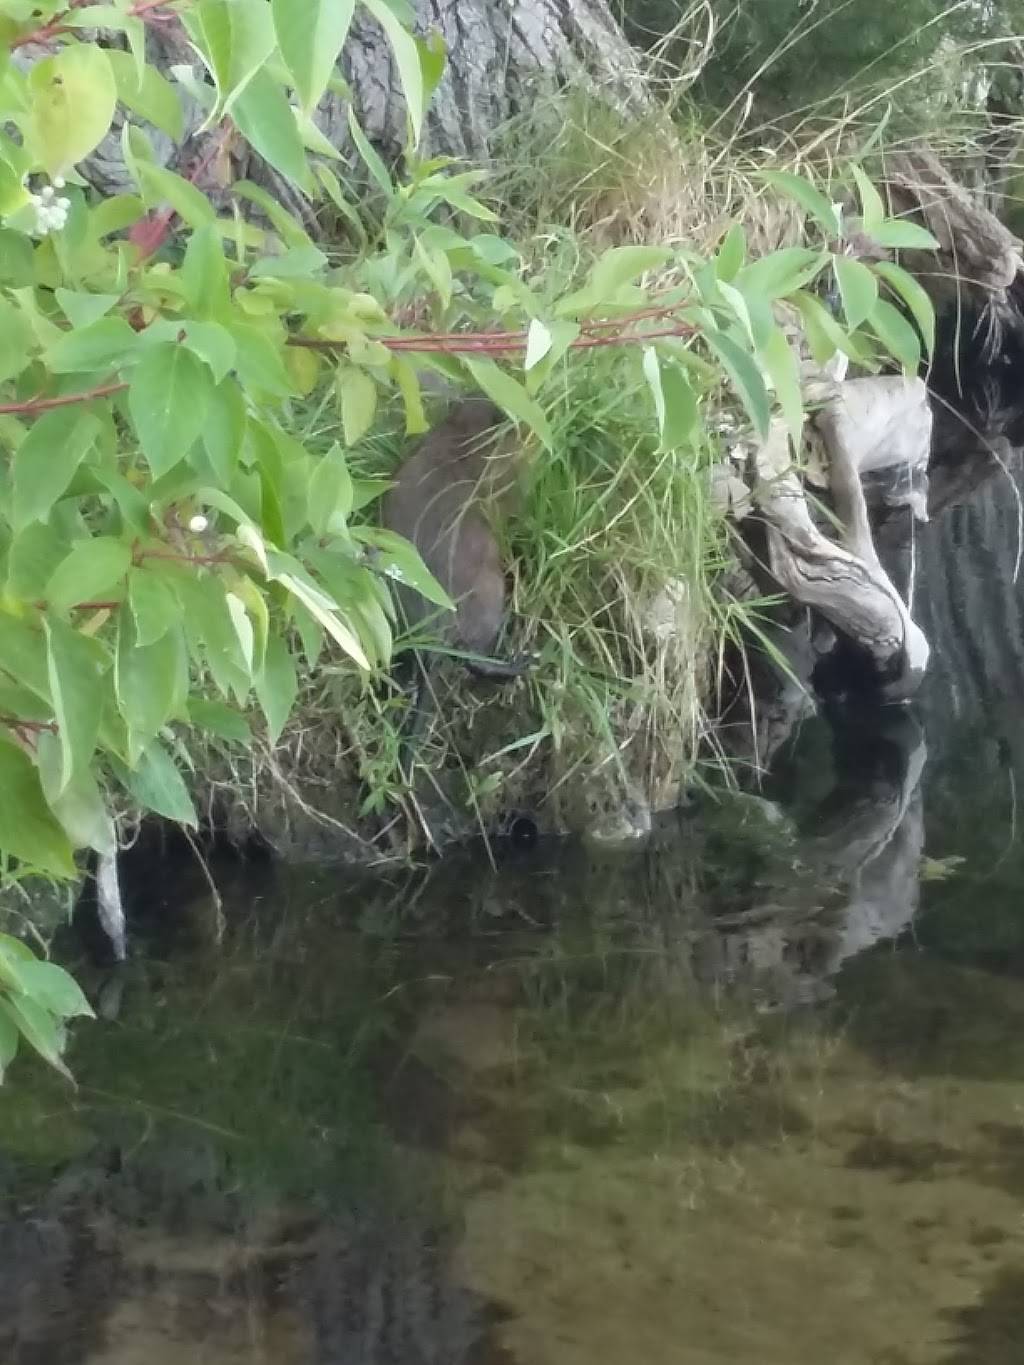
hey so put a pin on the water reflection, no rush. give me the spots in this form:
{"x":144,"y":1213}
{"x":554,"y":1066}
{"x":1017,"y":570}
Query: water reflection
{"x":749,"y":1097}
{"x":551,"y":1113}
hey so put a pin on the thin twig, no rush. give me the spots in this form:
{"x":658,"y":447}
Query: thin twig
{"x":34,"y":405}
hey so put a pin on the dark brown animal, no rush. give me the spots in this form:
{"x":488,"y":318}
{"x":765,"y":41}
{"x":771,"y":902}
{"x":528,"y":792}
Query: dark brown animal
{"x":461,"y":469}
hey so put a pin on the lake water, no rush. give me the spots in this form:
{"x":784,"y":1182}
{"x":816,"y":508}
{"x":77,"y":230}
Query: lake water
{"x":753,"y":1097}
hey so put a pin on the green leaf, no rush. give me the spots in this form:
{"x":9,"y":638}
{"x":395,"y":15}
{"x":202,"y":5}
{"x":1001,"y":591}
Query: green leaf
{"x":54,"y":989}
{"x":824,"y":334}
{"x":433,"y":54}
{"x":407,"y":58}
{"x":438,"y":269}
{"x":357,"y":399}
{"x":323,"y":610}
{"x":155,"y":605}
{"x":39,"y":1029}
{"x":29,"y":831}
{"x":780,"y":274}
{"x":409,"y":386}
{"x":623,"y":265}
{"x":80,"y":807}
{"x":264,"y":118}
{"x":157,"y":786}
{"x":332,"y":185}
{"x":100,"y":345}
{"x":310,"y":35}
{"x":93,"y":568}
{"x":897,"y":335}
{"x":147,"y":680}
{"x":858,"y":289}
{"x":234,"y":40}
{"x":113,"y":215}
{"x":81,"y":309}
{"x":129,"y":501}
{"x":169,"y":394}
{"x":9,"y":1035}
{"x":396,"y":558}
{"x":298,"y":262}
{"x":619,"y":266}
{"x":783,"y":369}
{"x":24,"y":656}
{"x":288,"y":227}
{"x":510,"y":395}
{"x":218,"y":719}
{"x":872,"y":209}
{"x":214,"y":345}
{"x":209,"y":625}
{"x":450,"y":190}
{"x":674,"y":401}
{"x":746,"y":379}
{"x":372,"y":161}
{"x":808,"y":196}
{"x":34,"y":552}
{"x":561,"y":333}
{"x":224,"y":429}
{"x":330,"y":493}
{"x":259,"y":364}
{"x":147,"y":93}
{"x":732,"y":254}
{"x":538,"y":342}
{"x":74,"y":97}
{"x":899,"y":234}
{"x":915,"y":298}
{"x":160,"y":186}
{"x":45,"y":461}
{"x":15,"y":340}
{"x":17,"y":263}
{"x":277,"y":686}
{"x":75,"y":676}
{"x":204,"y":274}
{"x":243,"y":628}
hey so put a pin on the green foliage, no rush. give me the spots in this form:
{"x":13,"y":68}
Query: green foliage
{"x":36,"y":1000}
{"x":793,"y":55}
{"x":164,"y":538}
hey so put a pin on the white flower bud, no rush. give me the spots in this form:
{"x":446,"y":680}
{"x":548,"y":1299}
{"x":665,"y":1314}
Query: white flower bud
{"x":198,"y":524}
{"x":59,"y":182}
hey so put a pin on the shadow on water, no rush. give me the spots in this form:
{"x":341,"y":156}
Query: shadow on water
{"x":749,"y":1097}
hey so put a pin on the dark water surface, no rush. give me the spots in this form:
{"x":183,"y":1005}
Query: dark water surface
{"x":753,"y":1097}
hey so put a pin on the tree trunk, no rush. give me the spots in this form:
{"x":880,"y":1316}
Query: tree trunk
{"x":502,"y":56}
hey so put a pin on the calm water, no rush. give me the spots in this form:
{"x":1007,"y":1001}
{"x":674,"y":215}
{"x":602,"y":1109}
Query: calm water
{"x":755,"y":1097}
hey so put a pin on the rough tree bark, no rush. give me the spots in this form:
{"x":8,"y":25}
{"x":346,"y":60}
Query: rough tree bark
{"x":502,"y":56}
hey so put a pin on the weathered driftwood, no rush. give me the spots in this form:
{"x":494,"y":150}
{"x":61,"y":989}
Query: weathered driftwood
{"x":865,"y":425}
{"x":976,"y":271}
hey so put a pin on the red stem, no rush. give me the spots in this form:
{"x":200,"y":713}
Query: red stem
{"x":454,"y":343}
{"x":56,"y":25}
{"x":33,"y":405}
